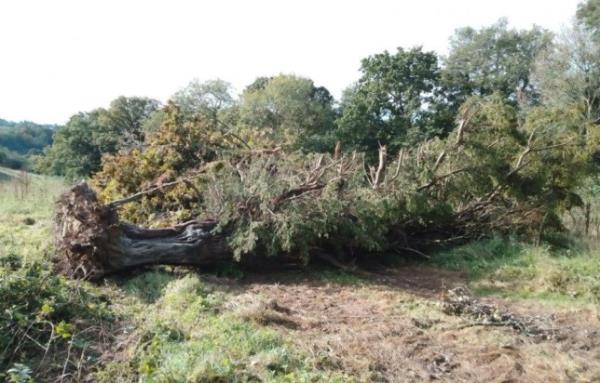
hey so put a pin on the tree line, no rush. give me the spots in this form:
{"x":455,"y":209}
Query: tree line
{"x":20,"y":142}
{"x":402,"y":98}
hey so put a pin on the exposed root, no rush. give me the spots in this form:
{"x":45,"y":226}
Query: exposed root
{"x":82,"y":225}
{"x":91,"y":241}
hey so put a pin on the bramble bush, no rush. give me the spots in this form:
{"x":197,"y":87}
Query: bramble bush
{"x":47,"y":323}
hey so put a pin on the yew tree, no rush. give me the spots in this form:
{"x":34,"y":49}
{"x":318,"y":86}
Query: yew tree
{"x":216,"y":199}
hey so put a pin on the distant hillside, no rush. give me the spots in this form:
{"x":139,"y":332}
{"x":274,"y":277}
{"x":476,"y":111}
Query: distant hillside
{"x":21,"y":140}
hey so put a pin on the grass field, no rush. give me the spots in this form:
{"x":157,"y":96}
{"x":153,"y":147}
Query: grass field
{"x":178,"y":325}
{"x":510,"y":269}
{"x":26,"y":207}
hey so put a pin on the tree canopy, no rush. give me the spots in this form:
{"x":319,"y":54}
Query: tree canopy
{"x":79,"y":146}
{"x":290,"y":110}
{"x":588,"y":14}
{"x":568,"y":72}
{"x":204,"y":99}
{"x":494,"y":59}
{"x":496,"y":137}
{"x":396,"y":102}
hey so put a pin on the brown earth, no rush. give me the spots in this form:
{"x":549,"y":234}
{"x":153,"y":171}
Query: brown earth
{"x":393,"y":328}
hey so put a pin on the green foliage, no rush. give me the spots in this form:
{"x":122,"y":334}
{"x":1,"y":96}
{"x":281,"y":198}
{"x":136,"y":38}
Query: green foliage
{"x":19,"y":141}
{"x":509,"y":268}
{"x":42,"y":314}
{"x":523,"y":150}
{"x":19,"y":373}
{"x":498,"y":172}
{"x":74,"y":153}
{"x":288,"y":111}
{"x":204,"y":99}
{"x":397,"y":102}
{"x":494,"y":59}
{"x":79,"y":146}
{"x":149,"y":286}
{"x":40,"y":309}
{"x":588,"y":13}
{"x":180,"y":146}
{"x":568,"y":73}
{"x":25,"y":137}
{"x":12,"y":160}
{"x":481,"y":258}
{"x":121,"y":125}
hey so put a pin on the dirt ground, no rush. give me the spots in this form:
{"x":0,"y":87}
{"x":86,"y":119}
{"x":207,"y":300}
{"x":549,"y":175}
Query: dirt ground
{"x":395,"y":327}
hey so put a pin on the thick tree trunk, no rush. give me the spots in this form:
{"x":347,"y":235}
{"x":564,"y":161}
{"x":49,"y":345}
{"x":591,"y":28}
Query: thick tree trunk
{"x":189,"y":244}
{"x":91,"y":241}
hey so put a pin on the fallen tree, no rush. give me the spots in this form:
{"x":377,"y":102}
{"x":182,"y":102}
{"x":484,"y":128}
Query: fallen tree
{"x":92,"y":241}
{"x":271,"y":207}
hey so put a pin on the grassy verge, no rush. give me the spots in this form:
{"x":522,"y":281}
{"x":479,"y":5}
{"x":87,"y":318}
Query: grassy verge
{"x":50,"y":328}
{"x":172,"y":325}
{"x":506,"y":267}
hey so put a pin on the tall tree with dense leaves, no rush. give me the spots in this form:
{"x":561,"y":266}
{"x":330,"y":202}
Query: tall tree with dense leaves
{"x":291,"y":110}
{"x":494,"y":59}
{"x":79,"y":146}
{"x":567,"y":74}
{"x":75,"y":152}
{"x":397,"y":101}
{"x":588,"y":14}
{"x":123,"y":121}
{"x":204,"y":99}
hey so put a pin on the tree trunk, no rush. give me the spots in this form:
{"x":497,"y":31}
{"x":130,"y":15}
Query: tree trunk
{"x":588,"y":208}
{"x":91,"y":241}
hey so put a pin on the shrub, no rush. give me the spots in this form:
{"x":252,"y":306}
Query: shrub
{"x":45,"y":321}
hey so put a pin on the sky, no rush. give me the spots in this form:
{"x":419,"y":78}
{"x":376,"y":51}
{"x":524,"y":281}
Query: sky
{"x":60,"y":57}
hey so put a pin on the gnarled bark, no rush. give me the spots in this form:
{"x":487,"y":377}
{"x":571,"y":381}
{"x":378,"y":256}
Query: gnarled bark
{"x":91,"y":241}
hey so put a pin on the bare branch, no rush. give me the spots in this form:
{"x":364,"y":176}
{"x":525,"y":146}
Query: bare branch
{"x":439,"y":160}
{"x":337,"y":154}
{"x":379,"y":173}
{"x":138,"y":195}
{"x":435,"y":180}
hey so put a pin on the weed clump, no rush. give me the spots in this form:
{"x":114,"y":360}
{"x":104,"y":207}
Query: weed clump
{"x":48,"y":325}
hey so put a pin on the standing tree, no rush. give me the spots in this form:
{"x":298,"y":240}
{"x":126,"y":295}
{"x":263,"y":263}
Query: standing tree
{"x":567,"y":73}
{"x":123,"y":121}
{"x":290,"y":110}
{"x":397,"y":101}
{"x":588,"y":13}
{"x":204,"y":99}
{"x":79,"y":146}
{"x":75,"y":152}
{"x":494,"y":59}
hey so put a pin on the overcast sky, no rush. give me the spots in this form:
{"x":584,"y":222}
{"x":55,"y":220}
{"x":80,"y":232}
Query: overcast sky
{"x":59,"y":57}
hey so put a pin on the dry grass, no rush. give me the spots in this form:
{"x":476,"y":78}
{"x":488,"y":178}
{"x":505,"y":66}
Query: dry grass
{"x":394,"y":332}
